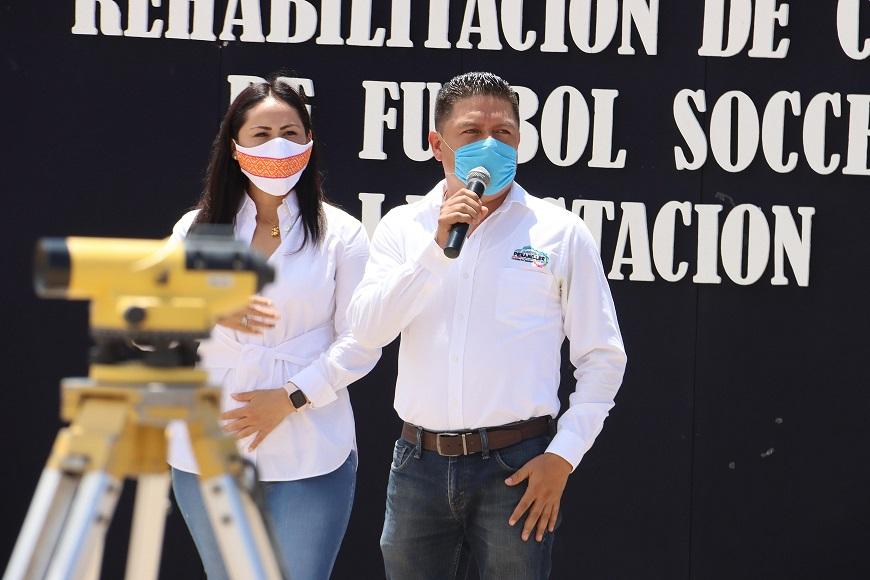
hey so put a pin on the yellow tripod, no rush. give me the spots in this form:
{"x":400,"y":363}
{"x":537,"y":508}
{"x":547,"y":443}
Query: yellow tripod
{"x":117,"y":431}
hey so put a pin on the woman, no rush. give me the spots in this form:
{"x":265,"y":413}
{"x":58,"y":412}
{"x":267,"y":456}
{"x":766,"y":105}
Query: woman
{"x":285,"y":361}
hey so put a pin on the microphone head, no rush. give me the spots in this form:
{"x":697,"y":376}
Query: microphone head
{"x":481,"y":174}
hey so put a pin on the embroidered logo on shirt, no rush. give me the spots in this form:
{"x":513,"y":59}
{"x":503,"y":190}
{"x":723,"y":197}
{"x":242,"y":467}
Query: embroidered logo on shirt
{"x":531,"y":255}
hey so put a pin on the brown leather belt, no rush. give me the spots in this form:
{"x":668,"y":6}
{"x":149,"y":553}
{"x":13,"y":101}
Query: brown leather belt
{"x":454,"y":444}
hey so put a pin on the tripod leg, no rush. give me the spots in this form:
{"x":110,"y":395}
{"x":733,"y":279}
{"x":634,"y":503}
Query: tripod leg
{"x":241,"y":533}
{"x":86,"y":526}
{"x":149,"y":521}
{"x":85,"y":445}
{"x":238,"y":525}
{"x":94,"y":562}
{"x":90,"y":450}
{"x":43,"y":524}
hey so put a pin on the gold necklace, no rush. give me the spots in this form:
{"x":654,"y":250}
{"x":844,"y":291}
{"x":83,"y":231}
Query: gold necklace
{"x":275,"y":231}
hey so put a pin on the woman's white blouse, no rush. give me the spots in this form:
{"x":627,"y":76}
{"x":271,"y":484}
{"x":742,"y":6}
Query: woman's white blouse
{"x":311,"y":346}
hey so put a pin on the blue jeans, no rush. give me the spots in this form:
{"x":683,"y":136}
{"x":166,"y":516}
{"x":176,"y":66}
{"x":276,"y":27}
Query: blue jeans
{"x":307,"y":518}
{"x":444,"y":511}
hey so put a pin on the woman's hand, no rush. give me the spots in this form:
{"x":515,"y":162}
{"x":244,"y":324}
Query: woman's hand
{"x":257,"y":316}
{"x":265,"y":410}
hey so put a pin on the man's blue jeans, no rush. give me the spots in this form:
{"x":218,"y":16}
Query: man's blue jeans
{"x":307,"y":517}
{"x":444,"y":512}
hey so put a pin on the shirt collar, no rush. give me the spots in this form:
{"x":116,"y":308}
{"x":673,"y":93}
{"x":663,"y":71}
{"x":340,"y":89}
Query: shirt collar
{"x":516,"y":195}
{"x":291,"y":204}
{"x":246,"y":206}
{"x":288,"y":209}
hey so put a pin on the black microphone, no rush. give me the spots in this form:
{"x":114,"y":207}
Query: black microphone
{"x":478,"y":180}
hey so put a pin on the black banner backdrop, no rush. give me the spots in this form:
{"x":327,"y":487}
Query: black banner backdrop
{"x":738,"y":443}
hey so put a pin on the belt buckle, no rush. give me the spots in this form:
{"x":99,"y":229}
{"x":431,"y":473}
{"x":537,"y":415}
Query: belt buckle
{"x":438,"y":437}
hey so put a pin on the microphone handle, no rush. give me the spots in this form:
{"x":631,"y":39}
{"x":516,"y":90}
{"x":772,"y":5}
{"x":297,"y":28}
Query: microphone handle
{"x":458,"y":231}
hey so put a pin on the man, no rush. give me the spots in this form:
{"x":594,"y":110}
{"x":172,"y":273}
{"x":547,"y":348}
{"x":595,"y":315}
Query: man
{"x":478,"y":470}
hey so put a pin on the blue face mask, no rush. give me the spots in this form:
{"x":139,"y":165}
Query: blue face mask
{"x":500,"y":159}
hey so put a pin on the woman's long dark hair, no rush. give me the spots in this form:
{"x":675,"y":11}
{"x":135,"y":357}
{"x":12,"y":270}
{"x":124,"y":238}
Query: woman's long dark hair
{"x":225,"y":183}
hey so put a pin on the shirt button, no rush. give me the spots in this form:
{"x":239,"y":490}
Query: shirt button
{"x":454,"y":359}
{"x":465,"y":275}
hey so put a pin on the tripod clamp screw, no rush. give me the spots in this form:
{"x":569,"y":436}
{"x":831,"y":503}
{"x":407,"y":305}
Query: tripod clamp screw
{"x":135,"y":315}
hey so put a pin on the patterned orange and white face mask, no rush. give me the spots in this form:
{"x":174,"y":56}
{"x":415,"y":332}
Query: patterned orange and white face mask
{"x":276,"y":165}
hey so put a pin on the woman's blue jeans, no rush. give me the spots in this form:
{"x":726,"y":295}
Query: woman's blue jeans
{"x":307,"y":517}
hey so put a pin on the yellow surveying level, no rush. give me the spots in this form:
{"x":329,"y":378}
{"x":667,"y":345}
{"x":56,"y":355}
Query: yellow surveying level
{"x":151,"y":300}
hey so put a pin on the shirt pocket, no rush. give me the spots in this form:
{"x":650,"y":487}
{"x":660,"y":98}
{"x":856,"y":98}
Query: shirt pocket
{"x":526,"y":297}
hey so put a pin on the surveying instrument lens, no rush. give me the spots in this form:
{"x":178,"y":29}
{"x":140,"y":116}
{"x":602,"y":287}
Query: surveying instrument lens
{"x":51,"y":268}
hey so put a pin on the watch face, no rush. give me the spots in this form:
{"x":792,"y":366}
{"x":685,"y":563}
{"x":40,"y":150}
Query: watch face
{"x":298,"y":399}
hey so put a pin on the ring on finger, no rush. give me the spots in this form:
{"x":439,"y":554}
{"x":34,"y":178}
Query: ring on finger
{"x":245,"y":320}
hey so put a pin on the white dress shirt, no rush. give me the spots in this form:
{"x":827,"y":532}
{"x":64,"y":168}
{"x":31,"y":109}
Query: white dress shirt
{"x":481,"y":334}
{"x":311,"y":346}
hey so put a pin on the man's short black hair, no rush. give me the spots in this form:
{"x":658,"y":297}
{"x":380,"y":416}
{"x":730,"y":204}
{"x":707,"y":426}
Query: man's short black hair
{"x":472,"y":84}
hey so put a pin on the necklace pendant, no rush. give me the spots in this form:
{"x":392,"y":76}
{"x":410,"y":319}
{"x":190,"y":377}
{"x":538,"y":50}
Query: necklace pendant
{"x":276,"y":232}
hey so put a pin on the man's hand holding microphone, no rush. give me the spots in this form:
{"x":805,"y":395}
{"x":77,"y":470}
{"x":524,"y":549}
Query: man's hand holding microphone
{"x":461,"y":210}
